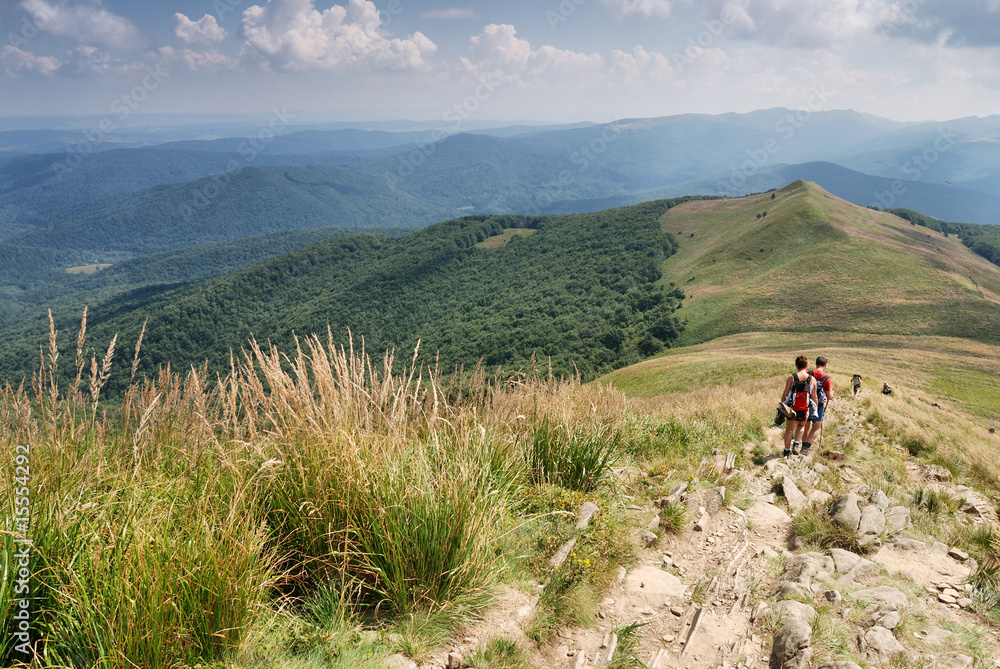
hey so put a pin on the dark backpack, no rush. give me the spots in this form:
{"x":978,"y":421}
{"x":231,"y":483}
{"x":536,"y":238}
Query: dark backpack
{"x":800,"y":393}
{"x":820,"y":393}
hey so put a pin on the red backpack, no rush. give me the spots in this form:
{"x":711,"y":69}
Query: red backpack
{"x":800,"y":393}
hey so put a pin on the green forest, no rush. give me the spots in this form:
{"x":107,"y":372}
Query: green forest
{"x":584,"y":291}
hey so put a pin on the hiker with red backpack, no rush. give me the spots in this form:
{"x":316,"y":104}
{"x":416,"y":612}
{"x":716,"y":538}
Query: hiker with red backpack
{"x":824,"y":393}
{"x":800,"y":388}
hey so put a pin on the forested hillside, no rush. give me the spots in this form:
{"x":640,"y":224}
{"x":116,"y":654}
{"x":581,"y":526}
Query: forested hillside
{"x":583,"y":290}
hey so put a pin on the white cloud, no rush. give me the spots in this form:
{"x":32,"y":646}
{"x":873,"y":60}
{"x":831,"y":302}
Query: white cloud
{"x":195,"y":61}
{"x":16,"y":62}
{"x":205,"y":29}
{"x":294,"y":35}
{"x":640,"y":66}
{"x":87,"y":23}
{"x":505,"y":57}
{"x":644,"y":8}
{"x":449,"y":13}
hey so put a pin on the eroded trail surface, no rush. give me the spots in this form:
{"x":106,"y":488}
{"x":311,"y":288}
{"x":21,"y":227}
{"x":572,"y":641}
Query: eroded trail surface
{"x":734,"y":590}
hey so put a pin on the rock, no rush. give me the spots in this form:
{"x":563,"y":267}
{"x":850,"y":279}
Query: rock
{"x":702,"y":522}
{"x":791,"y":648}
{"x":946,"y":599}
{"x":965,"y":603}
{"x":864,"y":569}
{"x":644,"y":539}
{"x":776,"y":466}
{"x":905,"y":544}
{"x":677,"y":611}
{"x":833,"y":596}
{"x":846,"y":511}
{"x":820,"y":468}
{"x":801,"y":570}
{"x":675,"y":495}
{"x":758,"y":610}
{"x":819,"y":496}
{"x":936,"y":472}
{"x":938,"y":548}
{"x":887,"y":618}
{"x":872,"y":521}
{"x":790,"y":609}
{"x":714,"y":500}
{"x":955,"y":661}
{"x":654,"y":523}
{"x":455,"y":660}
{"x":883,"y":594}
{"x":958,"y":554}
{"x":400,"y":661}
{"x":769,"y":498}
{"x":587,"y":511}
{"x":667,"y":561}
{"x":796,"y":500}
{"x":879,"y":499}
{"x":655,"y":586}
{"x":620,"y":574}
{"x":879,"y":641}
{"x":841,"y":664}
{"x":896,"y":519}
{"x":843,"y":560}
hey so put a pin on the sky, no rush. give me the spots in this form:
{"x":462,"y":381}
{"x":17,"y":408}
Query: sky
{"x":537,"y":60}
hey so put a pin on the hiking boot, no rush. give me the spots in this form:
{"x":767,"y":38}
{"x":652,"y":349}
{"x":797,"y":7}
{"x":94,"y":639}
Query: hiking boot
{"x":805,"y":449}
{"x":779,"y":420}
{"x":796,"y":447}
{"x":786,"y":453}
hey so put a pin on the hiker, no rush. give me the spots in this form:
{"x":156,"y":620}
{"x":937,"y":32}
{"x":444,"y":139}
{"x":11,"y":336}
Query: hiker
{"x":993,"y":430}
{"x":856,"y":384}
{"x":801,"y":387}
{"x":824,"y":393}
{"x":886,"y":390}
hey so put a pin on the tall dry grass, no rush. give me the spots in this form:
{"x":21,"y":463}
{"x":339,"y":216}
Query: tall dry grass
{"x":166,"y":527}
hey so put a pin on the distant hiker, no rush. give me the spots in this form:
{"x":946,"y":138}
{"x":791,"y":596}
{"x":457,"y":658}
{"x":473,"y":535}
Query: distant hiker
{"x":993,"y":430}
{"x":886,"y":390}
{"x":856,"y":384}
{"x":800,"y":387}
{"x":824,"y":393}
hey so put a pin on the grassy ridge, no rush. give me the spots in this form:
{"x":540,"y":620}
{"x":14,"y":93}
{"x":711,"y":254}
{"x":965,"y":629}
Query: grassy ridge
{"x":814,"y":263}
{"x":961,"y":376}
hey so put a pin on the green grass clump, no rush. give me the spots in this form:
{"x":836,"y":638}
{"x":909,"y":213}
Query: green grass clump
{"x":498,"y":653}
{"x":673,"y":517}
{"x":814,"y":526}
{"x":627,"y":654}
{"x":578,"y":459}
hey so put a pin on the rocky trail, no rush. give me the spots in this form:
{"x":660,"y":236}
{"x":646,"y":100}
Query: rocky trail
{"x":735,"y":590}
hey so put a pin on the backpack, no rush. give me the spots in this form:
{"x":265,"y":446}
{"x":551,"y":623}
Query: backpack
{"x":820,"y":380}
{"x":800,"y":393}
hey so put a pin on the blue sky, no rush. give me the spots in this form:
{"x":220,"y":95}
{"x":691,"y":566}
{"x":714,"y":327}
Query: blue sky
{"x":553,"y":60}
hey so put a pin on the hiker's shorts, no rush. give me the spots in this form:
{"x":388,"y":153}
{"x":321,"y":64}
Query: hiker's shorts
{"x":819,"y":414}
{"x":801,"y":416}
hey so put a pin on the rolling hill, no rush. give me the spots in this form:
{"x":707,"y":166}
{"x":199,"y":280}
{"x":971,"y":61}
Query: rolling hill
{"x":583,"y":290}
{"x":815,"y":263}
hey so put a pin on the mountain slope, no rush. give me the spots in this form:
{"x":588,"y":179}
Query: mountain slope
{"x":816,"y":263}
{"x":581,"y":289}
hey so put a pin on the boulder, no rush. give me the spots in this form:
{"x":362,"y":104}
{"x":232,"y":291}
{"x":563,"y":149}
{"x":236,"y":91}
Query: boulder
{"x":846,"y":511}
{"x":796,"y":500}
{"x":714,"y":500}
{"x":879,"y":499}
{"x":887,"y":618}
{"x":792,"y":646}
{"x":879,"y":641}
{"x":896,"y":519}
{"x":819,"y":496}
{"x":789,"y":609}
{"x":885,"y":595}
{"x":843,"y":560}
{"x":955,"y":661}
{"x":864,"y":569}
{"x":905,"y":544}
{"x":400,"y":661}
{"x":872,"y":521}
{"x":936,"y":472}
